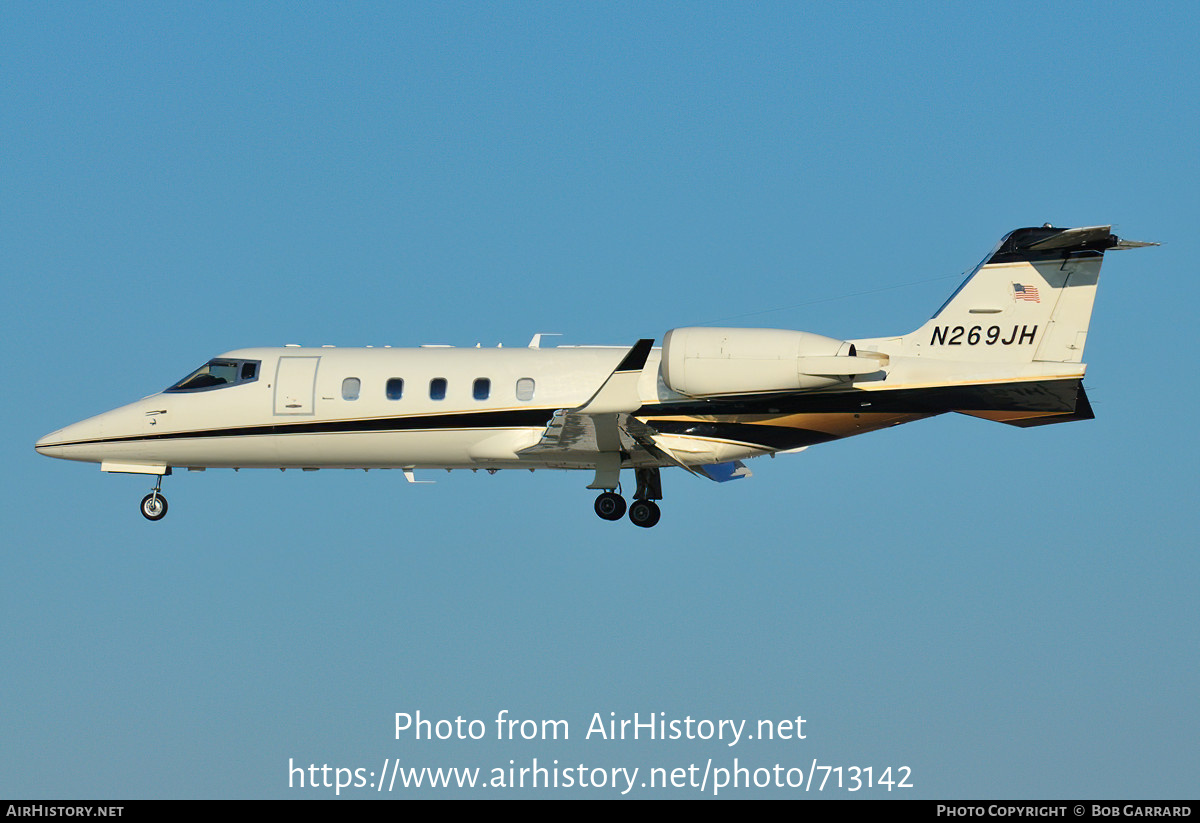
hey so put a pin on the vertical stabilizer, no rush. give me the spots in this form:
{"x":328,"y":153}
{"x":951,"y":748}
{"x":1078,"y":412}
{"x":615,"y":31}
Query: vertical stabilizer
{"x":1029,"y":300}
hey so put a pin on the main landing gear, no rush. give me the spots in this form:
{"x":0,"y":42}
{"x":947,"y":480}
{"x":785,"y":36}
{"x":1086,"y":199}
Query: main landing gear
{"x":154,"y":505}
{"x":610,"y":506}
{"x":643,"y":511}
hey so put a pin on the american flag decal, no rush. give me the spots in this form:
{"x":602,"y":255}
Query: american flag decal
{"x":1029,"y":293}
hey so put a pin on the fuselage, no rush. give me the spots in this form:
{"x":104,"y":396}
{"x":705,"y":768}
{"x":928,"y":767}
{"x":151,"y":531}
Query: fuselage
{"x":1006,"y":346}
{"x":364,"y":408}
{"x":444,"y":407}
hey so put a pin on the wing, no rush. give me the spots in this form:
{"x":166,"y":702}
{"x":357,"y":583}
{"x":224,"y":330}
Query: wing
{"x":603,"y":433}
{"x":581,"y":435}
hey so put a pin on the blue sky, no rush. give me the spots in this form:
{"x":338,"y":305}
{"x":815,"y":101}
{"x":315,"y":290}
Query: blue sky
{"x":1009,"y":613}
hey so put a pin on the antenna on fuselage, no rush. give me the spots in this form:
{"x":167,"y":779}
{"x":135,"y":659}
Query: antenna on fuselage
{"x":536,"y":342}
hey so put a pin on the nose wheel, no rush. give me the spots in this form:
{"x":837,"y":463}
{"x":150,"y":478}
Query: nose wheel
{"x":154,"y":505}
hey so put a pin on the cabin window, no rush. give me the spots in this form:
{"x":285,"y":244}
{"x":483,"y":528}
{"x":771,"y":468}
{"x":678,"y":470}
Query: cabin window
{"x":350,"y":388}
{"x":437,"y":388}
{"x":395,"y":388}
{"x":525,"y":388}
{"x":217,"y":374}
{"x":482,"y":388}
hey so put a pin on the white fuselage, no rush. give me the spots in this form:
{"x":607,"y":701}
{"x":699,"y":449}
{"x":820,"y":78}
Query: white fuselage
{"x":1006,"y":346}
{"x":302,"y":412}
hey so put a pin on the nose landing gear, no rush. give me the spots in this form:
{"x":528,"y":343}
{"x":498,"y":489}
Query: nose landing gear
{"x":154,"y":505}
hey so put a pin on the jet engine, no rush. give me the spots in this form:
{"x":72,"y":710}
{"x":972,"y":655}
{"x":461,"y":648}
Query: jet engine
{"x":700,"y":361}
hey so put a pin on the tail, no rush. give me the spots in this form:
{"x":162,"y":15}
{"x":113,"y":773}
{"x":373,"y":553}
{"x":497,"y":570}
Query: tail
{"x":1030,"y":300}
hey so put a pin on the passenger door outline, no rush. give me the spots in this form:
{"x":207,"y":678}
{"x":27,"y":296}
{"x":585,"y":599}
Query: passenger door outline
{"x":295,"y":385}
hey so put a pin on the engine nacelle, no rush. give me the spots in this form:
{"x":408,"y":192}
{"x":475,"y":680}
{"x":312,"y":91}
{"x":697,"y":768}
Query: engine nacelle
{"x":699,"y":361}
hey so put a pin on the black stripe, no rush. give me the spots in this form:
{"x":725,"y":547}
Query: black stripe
{"x":773,"y":438}
{"x":1059,"y":396}
{"x":1039,"y":395}
{"x":518,"y":418}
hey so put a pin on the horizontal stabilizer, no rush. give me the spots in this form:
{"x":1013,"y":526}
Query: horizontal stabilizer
{"x":1072,"y":238}
{"x":1097,"y":237}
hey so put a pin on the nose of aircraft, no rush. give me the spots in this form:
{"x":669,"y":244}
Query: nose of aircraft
{"x":51,"y":444}
{"x":64,"y":442}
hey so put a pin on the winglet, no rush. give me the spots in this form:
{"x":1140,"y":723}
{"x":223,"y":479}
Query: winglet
{"x":635,"y":360}
{"x":724,"y":472}
{"x":619,"y":392}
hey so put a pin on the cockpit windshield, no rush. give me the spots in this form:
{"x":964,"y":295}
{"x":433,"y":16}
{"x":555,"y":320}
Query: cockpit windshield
{"x":218,"y":374}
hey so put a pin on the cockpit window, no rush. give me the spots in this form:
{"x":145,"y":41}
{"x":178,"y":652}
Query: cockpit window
{"x":218,"y":374}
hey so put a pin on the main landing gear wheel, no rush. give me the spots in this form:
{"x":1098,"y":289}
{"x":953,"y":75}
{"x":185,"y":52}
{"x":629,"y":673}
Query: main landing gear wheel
{"x":610,"y":506}
{"x":644,"y":513}
{"x":154,"y":506}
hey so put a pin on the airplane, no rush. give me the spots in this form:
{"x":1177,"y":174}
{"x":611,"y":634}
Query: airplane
{"x":1007,"y":346}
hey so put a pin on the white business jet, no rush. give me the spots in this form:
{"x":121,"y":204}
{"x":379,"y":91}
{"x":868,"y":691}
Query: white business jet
{"x":1006,"y":346}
